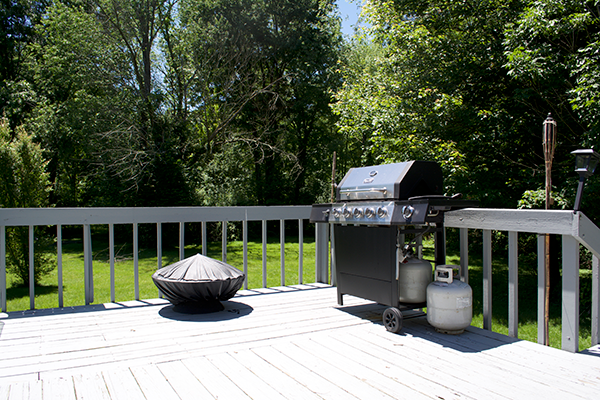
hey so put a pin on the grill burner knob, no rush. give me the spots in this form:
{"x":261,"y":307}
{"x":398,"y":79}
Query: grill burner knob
{"x":382,"y":212}
{"x":358,"y":213}
{"x":347,"y":212}
{"x":337,"y":212}
{"x":370,"y":212}
{"x":407,"y":212}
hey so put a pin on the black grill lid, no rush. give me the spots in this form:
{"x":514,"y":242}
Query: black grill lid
{"x":398,"y":181}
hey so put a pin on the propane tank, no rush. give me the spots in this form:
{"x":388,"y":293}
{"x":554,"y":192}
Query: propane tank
{"x":413,"y":278}
{"x":449,"y":302}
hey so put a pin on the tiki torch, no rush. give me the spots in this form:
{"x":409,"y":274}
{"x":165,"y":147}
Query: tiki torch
{"x":549,"y":143}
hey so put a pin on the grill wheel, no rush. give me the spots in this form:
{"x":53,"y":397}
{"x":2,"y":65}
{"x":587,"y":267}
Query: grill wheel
{"x":392,"y":319}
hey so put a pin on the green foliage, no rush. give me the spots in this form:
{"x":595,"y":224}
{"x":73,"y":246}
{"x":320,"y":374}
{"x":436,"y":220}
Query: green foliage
{"x":533,"y":199}
{"x":23,"y":184}
{"x":432,"y":85}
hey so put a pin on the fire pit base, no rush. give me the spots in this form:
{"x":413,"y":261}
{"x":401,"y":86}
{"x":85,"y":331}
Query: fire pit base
{"x":197,"y":307}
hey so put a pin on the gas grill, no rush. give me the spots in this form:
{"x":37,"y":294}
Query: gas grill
{"x":375,"y":209}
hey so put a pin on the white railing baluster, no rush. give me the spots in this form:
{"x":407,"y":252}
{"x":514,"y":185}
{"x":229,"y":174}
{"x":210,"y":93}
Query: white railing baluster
{"x":487,"y":279}
{"x":111,"y":260}
{"x":541,"y":291}
{"x":88,"y":269}
{"x":513,"y":284}
{"x":159,"y":251}
{"x":181,"y":240}
{"x":204,"y":239}
{"x":264,"y":253}
{"x":59,"y":265}
{"x":300,"y":251}
{"x":464,"y":254}
{"x":282,"y":250}
{"x":224,"y":241}
{"x":136,"y":269}
{"x":570,"y":294}
{"x":595,"y":301}
{"x":245,"y":251}
{"x":31,"y":269}
{"x":3,"y":287}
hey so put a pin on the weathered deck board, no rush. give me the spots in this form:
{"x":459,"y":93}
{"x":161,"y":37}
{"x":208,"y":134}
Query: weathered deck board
{"x":292,"y":342}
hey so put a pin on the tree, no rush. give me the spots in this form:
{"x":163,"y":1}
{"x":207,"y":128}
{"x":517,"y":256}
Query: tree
{"x":552,"y":53}
{"x":445,"y":84}
{"x":23,"y":184}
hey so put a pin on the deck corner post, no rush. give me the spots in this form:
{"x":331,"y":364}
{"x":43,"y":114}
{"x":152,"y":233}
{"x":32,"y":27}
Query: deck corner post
{"x":570,"y":294}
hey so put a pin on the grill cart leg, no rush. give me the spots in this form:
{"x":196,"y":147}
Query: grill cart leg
{"x":392,"y":319}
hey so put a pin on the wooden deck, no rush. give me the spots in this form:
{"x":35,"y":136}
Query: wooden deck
{"x":291,"y":342}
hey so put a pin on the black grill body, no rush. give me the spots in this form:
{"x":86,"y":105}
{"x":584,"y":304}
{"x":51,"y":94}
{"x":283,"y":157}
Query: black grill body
{"x":375,"y":208}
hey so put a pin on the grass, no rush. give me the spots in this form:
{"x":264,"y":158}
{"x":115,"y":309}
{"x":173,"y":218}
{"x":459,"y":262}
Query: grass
{"x":46,"y":294}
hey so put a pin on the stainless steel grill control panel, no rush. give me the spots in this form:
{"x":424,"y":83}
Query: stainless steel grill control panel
{"x":363,"y":212}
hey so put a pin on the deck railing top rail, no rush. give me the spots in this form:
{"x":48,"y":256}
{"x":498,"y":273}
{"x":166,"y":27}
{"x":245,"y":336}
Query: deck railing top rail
{"x":554,"y":222}
{"x":142,"y":215}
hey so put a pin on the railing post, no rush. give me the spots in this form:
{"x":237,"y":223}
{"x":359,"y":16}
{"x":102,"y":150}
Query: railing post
{"x":3,"y":269}
{"x":31,"y":269}
{"x":59,"y":264}
{"x":321,"y":252}
{"x":88,"y":267}
{"x":595,"y":301}
{"x":541,"y":297}
{"x":464,"y":254}
{"x":513,"y":285}
{"x":487,"y":279}
{"x":570,"y":294}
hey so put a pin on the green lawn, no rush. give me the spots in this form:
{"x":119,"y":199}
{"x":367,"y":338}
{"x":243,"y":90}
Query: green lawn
{"x":47,"y":292}
{"x":46,"y":295}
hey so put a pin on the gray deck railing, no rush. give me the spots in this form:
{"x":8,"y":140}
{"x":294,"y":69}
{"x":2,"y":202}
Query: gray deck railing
{"x":86,"y":217}
{"x":574,"y":227}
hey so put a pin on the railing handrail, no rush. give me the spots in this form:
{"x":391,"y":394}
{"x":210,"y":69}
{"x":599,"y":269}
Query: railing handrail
{"x":554,"y":222}
{"x":142,"y":215}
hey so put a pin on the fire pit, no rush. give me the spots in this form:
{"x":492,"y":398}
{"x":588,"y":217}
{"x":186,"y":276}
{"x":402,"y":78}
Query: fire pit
{"x":375,"y":208}
{"x":198,"y":282}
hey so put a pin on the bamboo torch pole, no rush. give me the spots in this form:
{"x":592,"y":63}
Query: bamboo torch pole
{"x":549,"y":143}
{"x":333,"y":178}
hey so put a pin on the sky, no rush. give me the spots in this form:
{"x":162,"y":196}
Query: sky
{"x":349,"y":12}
